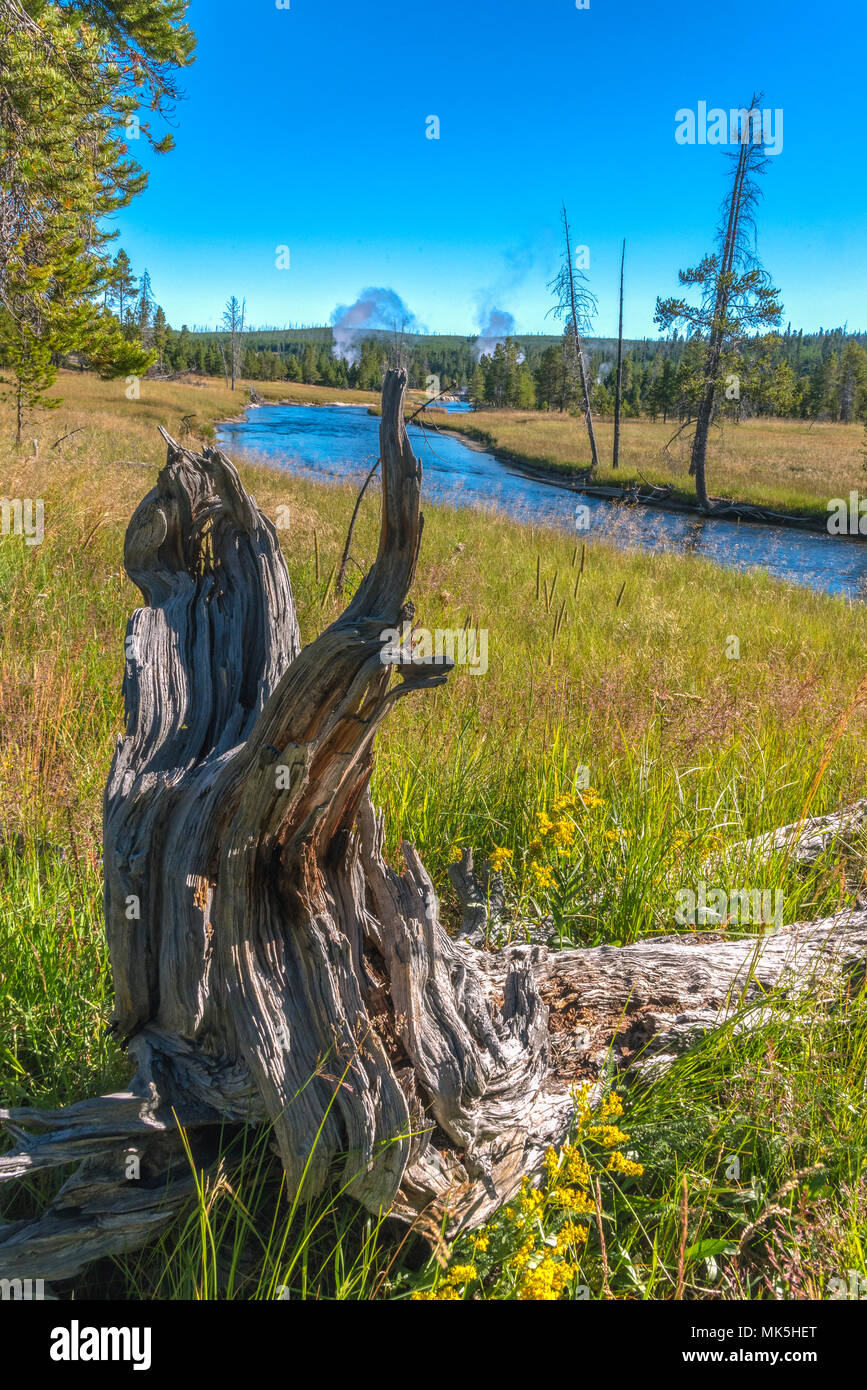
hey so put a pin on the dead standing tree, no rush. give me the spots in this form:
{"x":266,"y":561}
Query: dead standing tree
{"x":269,"y":967}
{"x":618,"y":381}
{"x":576,"y":305}
{"x":234,"y":315}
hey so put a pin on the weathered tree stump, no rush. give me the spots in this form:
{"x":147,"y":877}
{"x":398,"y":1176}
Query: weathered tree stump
{"x":269,"y":967}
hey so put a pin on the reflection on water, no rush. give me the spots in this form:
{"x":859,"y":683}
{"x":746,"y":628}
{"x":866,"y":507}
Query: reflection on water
{"x":340,"y":442}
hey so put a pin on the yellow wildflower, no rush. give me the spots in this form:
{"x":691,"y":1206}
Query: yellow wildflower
{"x":572,"y":1200}
{"x":499,"y":858}
{"x":443,"y":1293}
{"x":455,"y":854}
{"x":583,"y":1108}
{"x":563,"y":834}
{"x":570,"y":1234}
{"x":524,"y":1253}
{"x":547,"y":1281}
{"x":611,"y":1108}
{"x":607,"y":1135}
{"x":619,"y":1163}
{"x":531,"y":1199}
{"x":543,"y":876}
{"x":574,"y":1168}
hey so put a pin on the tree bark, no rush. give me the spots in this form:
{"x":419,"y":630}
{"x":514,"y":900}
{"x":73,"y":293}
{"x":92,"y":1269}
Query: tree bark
{"x":579,"y":348}
{"x":716,"y":339}
{"x":270,"y":968}
{"x":615,"y":455}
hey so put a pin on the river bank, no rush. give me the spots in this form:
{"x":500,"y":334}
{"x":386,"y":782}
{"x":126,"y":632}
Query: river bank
{"x":638,"y":495}
{"x":784,"y":468}
{"x":331,"y":444}
{"x":663,"y":496}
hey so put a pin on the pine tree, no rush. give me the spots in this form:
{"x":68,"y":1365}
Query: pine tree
{"x":122,"y":286}
{"x":524,"y":388}
{"x":46,"y":313}
{"x":28,"y":358}
{"x":477,"y":385}
{"x":308,"y":365}
{"x":852,"y":392}
{"x":70,"y":75}
{"x":144,"y":311}
{"x":182,"y":352}
{"x":233,"y":326}
{"x":736,"y":293}
{"x":159,"y":334}
{"x":665,"y":389}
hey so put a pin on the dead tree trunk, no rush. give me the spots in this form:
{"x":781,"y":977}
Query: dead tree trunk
{"x":618,"y":386}
{"x":269,"y":967}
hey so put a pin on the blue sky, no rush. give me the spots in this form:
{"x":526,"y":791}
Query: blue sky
{"x":305,"y":127}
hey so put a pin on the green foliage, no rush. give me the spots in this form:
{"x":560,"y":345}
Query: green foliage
{"x":789,"y":375}
{"x":73,"y":77}
{"x":503,"y":378}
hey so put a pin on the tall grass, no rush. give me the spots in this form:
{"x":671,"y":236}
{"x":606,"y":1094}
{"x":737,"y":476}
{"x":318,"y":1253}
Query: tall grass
{"x":753,"y":1148}
{"x":607,"y":660}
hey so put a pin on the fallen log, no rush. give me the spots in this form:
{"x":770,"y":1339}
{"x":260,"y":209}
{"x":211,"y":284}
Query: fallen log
{"x":805,"y":840}
{"x":270,"y":968}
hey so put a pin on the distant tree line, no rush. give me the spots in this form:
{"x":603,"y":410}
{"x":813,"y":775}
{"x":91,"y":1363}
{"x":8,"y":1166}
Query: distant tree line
{"x":793,"y":374}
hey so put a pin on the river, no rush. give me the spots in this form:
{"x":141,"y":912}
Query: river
{"x":339,"y":442}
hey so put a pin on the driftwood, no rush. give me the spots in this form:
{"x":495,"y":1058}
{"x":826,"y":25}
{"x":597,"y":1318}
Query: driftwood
{"x":805,"y":840}
{"x":270,"y":968}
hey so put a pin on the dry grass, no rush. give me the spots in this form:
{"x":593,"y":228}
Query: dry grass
{"x":788,"y":464}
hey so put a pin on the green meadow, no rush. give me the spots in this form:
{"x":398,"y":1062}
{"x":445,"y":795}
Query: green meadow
{"x":606,"y":667}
